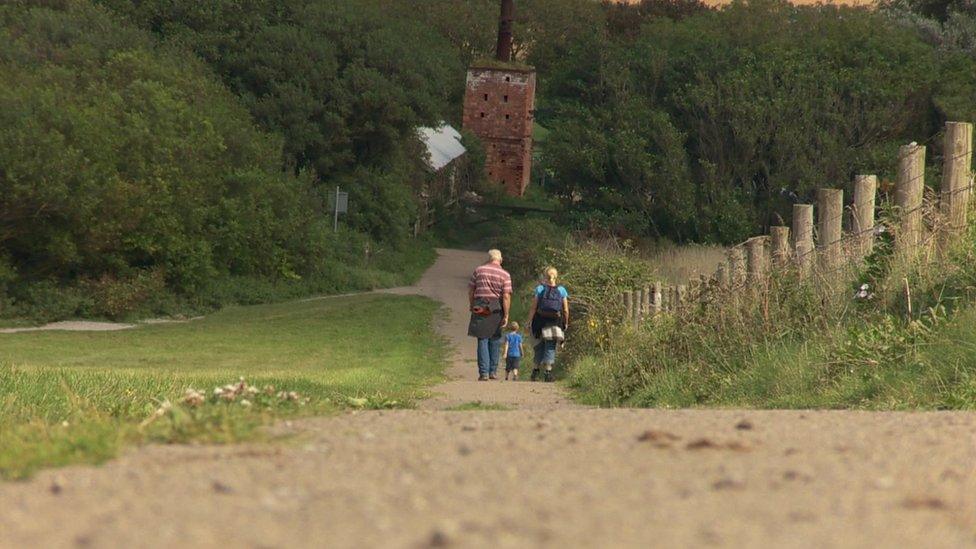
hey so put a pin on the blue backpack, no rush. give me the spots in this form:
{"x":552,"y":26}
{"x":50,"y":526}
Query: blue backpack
{"x":550,"y":303}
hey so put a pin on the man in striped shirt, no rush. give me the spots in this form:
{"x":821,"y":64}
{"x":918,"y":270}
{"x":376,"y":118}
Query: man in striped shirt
{"x":490,"y":297}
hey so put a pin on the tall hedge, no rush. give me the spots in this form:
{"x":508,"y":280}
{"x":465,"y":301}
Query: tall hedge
{"x":345,"y":82}
{"x":708,"y":127}
{"x":119,"y":157}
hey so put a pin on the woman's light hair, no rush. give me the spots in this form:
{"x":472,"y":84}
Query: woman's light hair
{"x":551,"y":275}
{"x":494,"y":255}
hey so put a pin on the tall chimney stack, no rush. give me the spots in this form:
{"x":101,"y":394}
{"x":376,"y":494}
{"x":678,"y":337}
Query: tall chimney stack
{"x":503,"y":51}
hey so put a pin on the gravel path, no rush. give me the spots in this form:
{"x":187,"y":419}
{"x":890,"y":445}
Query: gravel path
{"x":546,"y":474}
{"x":447,"y":281}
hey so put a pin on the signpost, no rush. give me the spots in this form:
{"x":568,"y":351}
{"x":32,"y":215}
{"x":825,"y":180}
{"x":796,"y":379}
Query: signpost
{"x":338,"y":203}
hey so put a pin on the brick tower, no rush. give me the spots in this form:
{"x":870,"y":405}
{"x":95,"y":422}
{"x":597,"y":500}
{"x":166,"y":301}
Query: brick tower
{"x":499,"y":101}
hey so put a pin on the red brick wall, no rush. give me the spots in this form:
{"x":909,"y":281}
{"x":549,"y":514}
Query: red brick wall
{"x":498,"y":108}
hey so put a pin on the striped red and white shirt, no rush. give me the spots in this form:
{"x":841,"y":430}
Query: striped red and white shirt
{"x":490,"y":281}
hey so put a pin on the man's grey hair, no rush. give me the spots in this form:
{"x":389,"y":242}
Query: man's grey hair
{"x":495,"y":255}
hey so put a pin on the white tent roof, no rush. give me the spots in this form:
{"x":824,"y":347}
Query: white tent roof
{"x":443,"y":145}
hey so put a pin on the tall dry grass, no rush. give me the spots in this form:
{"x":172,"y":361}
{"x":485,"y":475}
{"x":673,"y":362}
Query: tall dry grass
{"x":675,"y":264}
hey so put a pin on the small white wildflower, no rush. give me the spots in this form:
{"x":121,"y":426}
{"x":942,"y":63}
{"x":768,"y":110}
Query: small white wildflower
{"x":252,"y":390}
{"x":192,"y":397}
{"x":245,"y":403}
{"x":880,"y":229}
{"x":65,"y":424}
{"x":217,"y":391}
{"x":288,"y":395}
{"x":864,"y":287}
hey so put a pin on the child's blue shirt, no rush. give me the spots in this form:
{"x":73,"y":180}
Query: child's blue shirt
{"x":514,"y":345}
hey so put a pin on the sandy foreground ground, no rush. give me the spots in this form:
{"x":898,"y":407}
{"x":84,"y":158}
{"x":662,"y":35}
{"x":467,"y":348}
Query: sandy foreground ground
{"x":546,"y":474}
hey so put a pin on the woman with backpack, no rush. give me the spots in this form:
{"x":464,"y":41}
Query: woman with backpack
{"x":549,"y":318}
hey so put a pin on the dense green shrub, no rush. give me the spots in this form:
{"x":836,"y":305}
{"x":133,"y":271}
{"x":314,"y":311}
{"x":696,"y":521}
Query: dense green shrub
{"x":525,"y":244}
{"x":132,"y":179}
{"x":709,"y":127}
{"x":346,"y":83}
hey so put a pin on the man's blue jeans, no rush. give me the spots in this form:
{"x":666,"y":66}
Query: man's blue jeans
{"x":489,"y":355}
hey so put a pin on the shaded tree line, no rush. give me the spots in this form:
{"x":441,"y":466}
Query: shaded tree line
{"x":152,"y":149}
{"x":158,"y":146}
{"x":706,"y":126}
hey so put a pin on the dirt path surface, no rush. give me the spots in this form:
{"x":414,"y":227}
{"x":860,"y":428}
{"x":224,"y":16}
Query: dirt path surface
{"x":447,"y":281}
{"x":546,"y":474}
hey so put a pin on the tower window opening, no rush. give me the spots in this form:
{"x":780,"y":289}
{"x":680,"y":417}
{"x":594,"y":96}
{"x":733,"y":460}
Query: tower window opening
{"x":508,"y":78}
{"x":505,"y":98}
{"x":482,"y":115}
{"x":486,"y":97}
{"x":507,"y":117}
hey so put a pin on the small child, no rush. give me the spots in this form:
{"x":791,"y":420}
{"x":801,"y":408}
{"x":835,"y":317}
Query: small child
{"x":513,"y":351}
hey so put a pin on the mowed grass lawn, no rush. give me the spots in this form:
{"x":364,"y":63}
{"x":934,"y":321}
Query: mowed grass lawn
{"x":79,"y":396}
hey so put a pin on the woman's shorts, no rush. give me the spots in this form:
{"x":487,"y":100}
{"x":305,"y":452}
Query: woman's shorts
{"x":512,"y":363}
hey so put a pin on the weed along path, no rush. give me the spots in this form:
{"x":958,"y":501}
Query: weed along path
{"x":447,"y":282}
{"x":544,"y":473}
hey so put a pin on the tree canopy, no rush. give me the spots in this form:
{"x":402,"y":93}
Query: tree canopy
{"x":119,"y":155}
{"x":703,"y":128}
{"x":173,"y":143}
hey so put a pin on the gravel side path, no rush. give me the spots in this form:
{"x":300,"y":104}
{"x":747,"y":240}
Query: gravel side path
{"x":544,"y":475}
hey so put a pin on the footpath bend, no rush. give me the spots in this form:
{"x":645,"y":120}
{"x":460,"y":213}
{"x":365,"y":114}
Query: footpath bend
{"x":544,"y":474}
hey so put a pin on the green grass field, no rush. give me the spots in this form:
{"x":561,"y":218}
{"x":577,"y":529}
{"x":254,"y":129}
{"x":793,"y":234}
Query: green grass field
{"x":78,"y":397}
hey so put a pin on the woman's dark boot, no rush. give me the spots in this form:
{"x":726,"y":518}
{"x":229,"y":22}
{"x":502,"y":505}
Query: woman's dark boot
{"x":547,"y":377}
{"x":535,"y":374}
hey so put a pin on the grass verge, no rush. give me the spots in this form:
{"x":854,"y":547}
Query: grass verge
{"x":838,"y":369}
{"x":891,"y":333}
{"x":69,"y":397}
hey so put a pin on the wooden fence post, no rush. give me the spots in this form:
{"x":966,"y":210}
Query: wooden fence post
{"x":657,"y":298}
{"x":636,"y":297}
{"x":756,"y":260}
{"x":803,"y":249}
{"x":628,"y":307}
{"x":830,"y":203}
{"x":681,"y":292}
{"x":780,"y":237}
{"x":722,"y":276}
{"x":908,"y":194}
{"x":956,"y":172}
{"x":862,"y":220}
{"x":737,"y":267}
{"x":646,"y":302}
